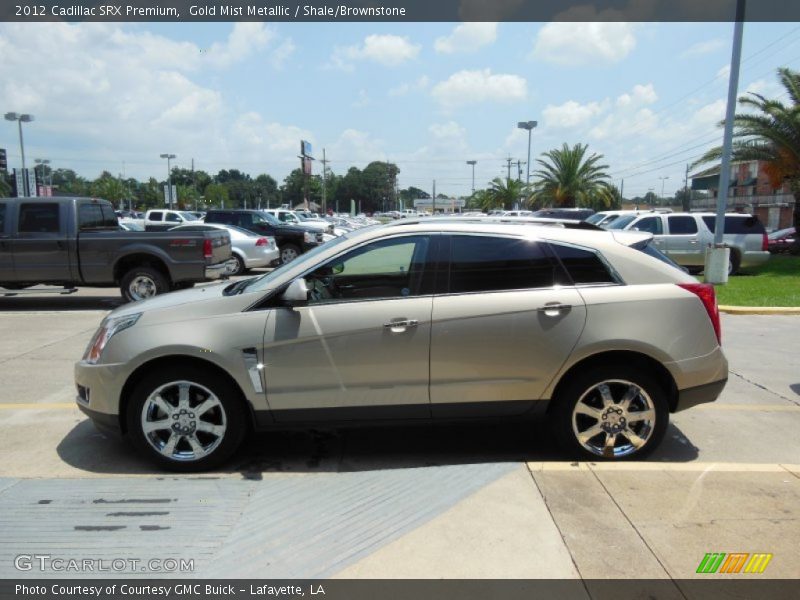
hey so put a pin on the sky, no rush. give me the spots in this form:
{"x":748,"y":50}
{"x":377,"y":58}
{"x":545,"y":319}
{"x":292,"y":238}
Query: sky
{"x":426,"y":96}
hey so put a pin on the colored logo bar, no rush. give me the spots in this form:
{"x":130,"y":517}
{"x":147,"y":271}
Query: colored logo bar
{"x":735,"y":562}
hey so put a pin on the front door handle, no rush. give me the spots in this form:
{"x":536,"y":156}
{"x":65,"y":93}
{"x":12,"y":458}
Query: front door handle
{"x":693,"y":242}
{"x":400,"y":325}
{"x":553,"y":309}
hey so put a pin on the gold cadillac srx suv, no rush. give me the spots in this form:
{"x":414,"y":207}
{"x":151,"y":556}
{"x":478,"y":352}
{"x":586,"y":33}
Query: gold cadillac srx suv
{"x":421,"y":320}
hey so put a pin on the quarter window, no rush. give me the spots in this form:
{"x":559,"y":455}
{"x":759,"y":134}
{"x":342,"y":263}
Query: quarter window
{"x":682,"y":225}
{"x":492,"y":264}
{"x":38,"y":218}
{"x":583,"y":266}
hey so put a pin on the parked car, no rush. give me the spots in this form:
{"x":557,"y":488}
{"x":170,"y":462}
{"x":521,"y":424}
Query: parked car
{"x":292,"y":241}
{"x":130,"y":225}
{"x":518,"y":213}
{"x":291,"y":217}
{"x":579,"y":214}
{"x":75,"y":242}
{"x":684,"y":237}
{"x":604,"y":218}
{"x":162,"y":220}
{"x":426,"y":321}
{"x":781,"y":241}
{"x":250,"y":250}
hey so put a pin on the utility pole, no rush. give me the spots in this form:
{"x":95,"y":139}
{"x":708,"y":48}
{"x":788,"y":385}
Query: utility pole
{"x":508,"y":160}
{"x":433,"y":210}
{"x":687,"y":203}
{"x":621,"y":192}
{"x":324,"y":183}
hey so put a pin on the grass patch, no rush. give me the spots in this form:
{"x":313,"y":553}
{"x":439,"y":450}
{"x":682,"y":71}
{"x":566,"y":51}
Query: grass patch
{"x":776,"y":283}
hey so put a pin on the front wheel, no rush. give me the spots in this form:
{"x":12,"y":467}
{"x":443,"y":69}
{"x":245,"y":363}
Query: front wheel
{"x":186,"y":419}
{"x":141,"y":283}
{"x":611,"y":413}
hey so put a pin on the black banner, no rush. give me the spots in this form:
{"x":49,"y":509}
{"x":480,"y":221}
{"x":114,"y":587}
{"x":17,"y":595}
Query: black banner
{"x":396,"y":10}
{"x":712,"y":588}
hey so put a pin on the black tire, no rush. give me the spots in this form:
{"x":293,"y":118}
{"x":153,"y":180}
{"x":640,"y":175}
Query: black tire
{"x":229,"y":413}
{"x":618,"y":378}
{"x":289,"y":252}
{"x":734,"y":261}
{"x":240,"y":266}
{"x":141,"y":283}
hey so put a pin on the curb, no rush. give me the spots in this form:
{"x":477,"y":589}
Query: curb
{"x":760,"y":310}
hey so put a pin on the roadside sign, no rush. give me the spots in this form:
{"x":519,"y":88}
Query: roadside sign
{"x":305,"y":148}
{"x":174,"y":195}
{"x":19,"y":182}
{"x":3,"y":160}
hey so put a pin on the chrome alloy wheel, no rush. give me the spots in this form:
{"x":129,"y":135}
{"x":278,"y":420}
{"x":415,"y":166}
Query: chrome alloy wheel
{"x":183,"y":421}
{"x":142,"y":287}
{"x":288,"y":255}
{"x":614,"y":418}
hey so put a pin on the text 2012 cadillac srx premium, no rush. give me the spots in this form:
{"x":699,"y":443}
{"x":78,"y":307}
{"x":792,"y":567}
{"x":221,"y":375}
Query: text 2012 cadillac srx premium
{"x":428,"y":320}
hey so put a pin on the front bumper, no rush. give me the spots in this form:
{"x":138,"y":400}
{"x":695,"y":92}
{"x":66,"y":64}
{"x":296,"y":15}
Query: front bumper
{"x":701,"y":394}
{"x":216,"y":271}
{"x":265,"y":259}
{"x":99,"y":390}
{"x":106,"y":423}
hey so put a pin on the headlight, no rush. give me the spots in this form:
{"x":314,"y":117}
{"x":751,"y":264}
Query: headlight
{"x":309,"y":237}
{"x":108,"y":328}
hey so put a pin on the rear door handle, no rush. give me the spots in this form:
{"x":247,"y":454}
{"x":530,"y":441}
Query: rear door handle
{"x":400,"y":325}
{"x":551,"y":309}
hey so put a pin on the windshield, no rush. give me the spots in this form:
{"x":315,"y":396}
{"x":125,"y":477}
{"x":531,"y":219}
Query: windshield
{"x":596,"y":218}
{"x":263,"y":217}
{"x":259,"y":284}
{"x":621,"y":222}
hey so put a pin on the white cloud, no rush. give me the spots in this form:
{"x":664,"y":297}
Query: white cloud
{"x":476,"y":87}
{"x":357,"y":147}
{"x":577,"y":44}
{"x":467,"y":37}
{"x":641,"y":95}
{"x":447,"y":131}
{"x":362,"y":100}
{"x":419,"y":85}
{"x":572,"y":114}
{"x":701,"y":48}
{"x":281,"y":54}
{"x":387,"y":50}
{"x":724,"y":72}
{"x":245,"y":39}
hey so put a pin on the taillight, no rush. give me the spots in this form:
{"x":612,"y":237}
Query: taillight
{"x":764,"y":242}
{"x":208,"y":249}
{"x":705,"y":291}
{"x":262,"y":242}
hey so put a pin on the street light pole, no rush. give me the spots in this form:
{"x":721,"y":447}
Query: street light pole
{"x":20,"y":119}
{"x":169,"y":157}
{"x":663,"y":179}
{"x":473,"y":163}
{"x":529,"y":125}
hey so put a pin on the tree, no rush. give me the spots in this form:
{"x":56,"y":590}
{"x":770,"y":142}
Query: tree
{"x":413,"y":193}
{"x":770,"y":133}
{"x":216,"y":195}
{"x":684,"y":197}
{"x":69,"y":183}
{"x":109,"y":187}
{"x":568,"y":178}
{"x":504,"y":194}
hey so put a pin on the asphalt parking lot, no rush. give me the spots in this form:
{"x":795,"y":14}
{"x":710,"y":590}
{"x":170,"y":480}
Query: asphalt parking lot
{"x":429,"y":502}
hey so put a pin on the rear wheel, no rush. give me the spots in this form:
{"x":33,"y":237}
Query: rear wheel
{"x":733,"y":262}
{"x":612,"y":412}
{"x":289,"y":252}
{"x":141,"y":283}
{"x":186,"y":419}
{"x":239,"y":267}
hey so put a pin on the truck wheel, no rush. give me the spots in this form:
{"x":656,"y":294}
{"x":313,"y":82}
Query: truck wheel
{"x":613,"y":412}
{"x":141,"y":283}
{"x":288,"y":253}
{"x":186,"y":419}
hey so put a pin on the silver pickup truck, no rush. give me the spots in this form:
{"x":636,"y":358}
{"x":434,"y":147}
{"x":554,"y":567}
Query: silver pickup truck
{"x":74,"y":242}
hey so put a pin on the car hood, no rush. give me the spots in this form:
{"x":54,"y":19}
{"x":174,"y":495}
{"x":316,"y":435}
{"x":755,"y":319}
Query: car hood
{"x":202,"y":301}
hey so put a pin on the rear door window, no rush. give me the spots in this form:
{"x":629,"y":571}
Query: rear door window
{"x":492,"y":264}
{"x":173,"y":218}
{"x":582,"y":266}
{"x":156,"y":216}
{"x":682,"y":225}
{"x":41,"y":217}
{"x":90,"y":216}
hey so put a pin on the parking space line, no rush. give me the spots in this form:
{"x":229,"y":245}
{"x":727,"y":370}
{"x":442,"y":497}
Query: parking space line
{"x":749,"y":407}
{"x":35,"y":406}
{"x":721,"y":467}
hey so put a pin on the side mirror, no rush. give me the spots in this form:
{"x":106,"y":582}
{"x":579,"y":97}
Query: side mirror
{"x":296,"y":294}
{"x":338,"y":269}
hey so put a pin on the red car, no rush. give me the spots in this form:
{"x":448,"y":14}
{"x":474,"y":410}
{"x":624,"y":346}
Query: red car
{"x":782,"y":240}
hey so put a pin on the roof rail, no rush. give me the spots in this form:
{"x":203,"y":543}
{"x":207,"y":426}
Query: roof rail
{"x":541,"y":221}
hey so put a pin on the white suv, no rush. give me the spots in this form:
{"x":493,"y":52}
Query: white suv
{"x":684,"y":237}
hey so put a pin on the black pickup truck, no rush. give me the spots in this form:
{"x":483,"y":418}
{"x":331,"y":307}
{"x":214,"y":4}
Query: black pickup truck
{"x":73,"y":242}
{"x":292,"y":241}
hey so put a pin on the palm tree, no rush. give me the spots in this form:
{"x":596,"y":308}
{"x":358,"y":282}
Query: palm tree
{"x":504,"y":194}
{"x":569,"y":179}
{"x":770,"y":133}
